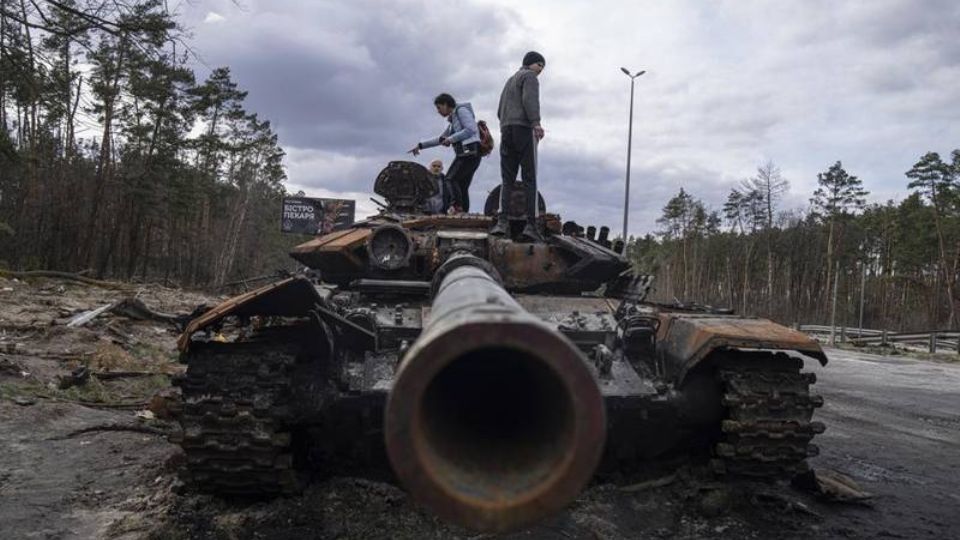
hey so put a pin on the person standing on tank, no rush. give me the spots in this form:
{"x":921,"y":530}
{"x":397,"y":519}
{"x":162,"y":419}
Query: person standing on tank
{"x":464,"y":136}
{"x":520,"y":130}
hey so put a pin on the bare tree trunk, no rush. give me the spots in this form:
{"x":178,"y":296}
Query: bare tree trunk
{"x":730,"y":281}
{"x":71,"y":141}
{"x":947,"y":272}
{"x":769,"y":275}
{"x":746,"y":276}
{"x":829,"y":268}
{"x":3,"y":61}
{"x":105,"y":161}
{"x":233,"y":238}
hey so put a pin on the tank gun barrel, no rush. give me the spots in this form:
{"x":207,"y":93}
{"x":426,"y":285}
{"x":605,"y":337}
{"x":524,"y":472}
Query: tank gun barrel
{"x":494,"y":419}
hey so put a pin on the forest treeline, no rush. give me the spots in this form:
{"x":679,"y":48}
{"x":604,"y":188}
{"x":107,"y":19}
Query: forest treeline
{"x":901,"y":258}
{"x":116,"y":159}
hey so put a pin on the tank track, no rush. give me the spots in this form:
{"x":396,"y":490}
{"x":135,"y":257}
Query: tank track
{"x":767,"y":429}
{"x":236,"y":418}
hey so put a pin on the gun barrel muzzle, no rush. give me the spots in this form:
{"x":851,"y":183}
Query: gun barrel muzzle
{"x":494,"y":420}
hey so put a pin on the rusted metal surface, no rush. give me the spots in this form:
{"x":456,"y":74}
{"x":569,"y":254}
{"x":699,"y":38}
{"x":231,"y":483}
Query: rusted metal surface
{"x":293,"y":296}
{"x":686,"y":339}
{"x":389,"y":247}
{"x":551,"y":305}
{"x":529,"y":264}
{"x":334,"y":251}
{"x":467,"y":221}
{"x":494,"y":420}
{"x":405,"y":185}
{"x":765,"y":433}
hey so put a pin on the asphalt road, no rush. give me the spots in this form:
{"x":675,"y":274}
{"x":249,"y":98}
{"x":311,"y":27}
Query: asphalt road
{"x":893,"y":425}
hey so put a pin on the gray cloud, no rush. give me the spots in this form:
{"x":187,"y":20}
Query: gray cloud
{"x":729,"y":86}
{"x":359,"y":77}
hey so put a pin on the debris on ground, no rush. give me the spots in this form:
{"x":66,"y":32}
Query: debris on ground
{"x":11,"y":368}
{"x":77,"y":377}
{"x":102,"y":446}
{"x":87,"y":316}
{"x":164,"y":403}
{"x":69,"y":340}
{"x":134,"y":308}
{"x":832,"y":486}
{"x":650,"y":484}
{"x":67,"y":276}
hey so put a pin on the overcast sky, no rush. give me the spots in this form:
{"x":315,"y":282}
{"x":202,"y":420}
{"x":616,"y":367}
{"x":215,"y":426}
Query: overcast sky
{"x":729,"y":85}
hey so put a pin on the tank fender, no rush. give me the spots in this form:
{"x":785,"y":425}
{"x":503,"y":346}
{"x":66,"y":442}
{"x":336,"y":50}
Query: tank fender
{"x":291,"y":297}
{"x":685,"y":340}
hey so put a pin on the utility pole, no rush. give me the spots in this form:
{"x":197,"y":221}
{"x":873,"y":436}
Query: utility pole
{"x":626,"y":196}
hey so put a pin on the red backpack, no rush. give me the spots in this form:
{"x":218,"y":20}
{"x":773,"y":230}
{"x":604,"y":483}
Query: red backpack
{"x":486,"y":139}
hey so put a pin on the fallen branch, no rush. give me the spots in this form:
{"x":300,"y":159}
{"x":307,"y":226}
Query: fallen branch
{"x":133,"y":405}
{"x":123,"y":405}
{"x":19,"y":327}
{"x":135,"y":428}
{"x":64,"y":357}
{"x":109,"y":375}
{"x":131,"y":308}
{"x":63,"y":275}
{"x":244,"y":282}
{"x":134,"y":308}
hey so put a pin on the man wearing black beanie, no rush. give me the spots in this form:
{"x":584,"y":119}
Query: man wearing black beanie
{"x":520,"y":129}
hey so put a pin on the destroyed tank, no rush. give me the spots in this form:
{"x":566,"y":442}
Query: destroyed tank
{"x":492,"y":377}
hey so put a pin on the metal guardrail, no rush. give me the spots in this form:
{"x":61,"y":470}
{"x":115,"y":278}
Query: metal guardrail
{"x":933,"y":339}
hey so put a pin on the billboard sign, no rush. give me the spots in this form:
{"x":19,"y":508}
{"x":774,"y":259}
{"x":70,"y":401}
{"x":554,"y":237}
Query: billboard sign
{"x":307,"y":215}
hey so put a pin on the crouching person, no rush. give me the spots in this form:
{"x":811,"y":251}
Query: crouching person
{"x":463,"y":136}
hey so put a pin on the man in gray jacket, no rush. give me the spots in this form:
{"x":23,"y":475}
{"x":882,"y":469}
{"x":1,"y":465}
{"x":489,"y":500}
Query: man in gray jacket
{"x":464,"y":136}
{"x":520,"y":129}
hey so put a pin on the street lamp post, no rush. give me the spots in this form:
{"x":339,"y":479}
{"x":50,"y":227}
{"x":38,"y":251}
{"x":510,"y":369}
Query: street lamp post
{"x":626,"y":196}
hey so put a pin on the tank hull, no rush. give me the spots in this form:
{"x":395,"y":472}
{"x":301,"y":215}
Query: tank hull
{"x":660,"y":393}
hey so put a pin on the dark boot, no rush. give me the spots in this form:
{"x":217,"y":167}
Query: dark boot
{"x":502,"y":227}
{"x":531,"y":233}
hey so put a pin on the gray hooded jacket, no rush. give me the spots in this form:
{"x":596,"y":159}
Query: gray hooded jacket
{"x":461,"y":129}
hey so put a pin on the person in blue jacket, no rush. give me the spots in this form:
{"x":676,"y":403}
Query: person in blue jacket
{"x":463,"y":135}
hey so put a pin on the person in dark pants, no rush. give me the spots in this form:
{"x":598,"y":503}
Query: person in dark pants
{"x":520,"y":130}
{"x":464,"y":136}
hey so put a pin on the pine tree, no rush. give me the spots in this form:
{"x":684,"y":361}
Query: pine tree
{"x":937,"y":182}
{"x":839,"y":195}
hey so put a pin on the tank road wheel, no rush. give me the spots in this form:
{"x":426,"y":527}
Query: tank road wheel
{"x":236,"y":418}
{"x":767,"y":428}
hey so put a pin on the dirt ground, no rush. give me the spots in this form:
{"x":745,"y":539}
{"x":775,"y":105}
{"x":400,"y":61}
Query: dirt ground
{"x":92,"y":460}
